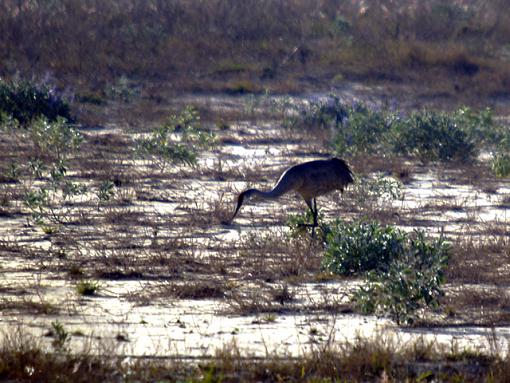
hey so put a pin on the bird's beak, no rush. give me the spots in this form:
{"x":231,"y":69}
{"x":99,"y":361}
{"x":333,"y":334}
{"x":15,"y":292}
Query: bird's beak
{"x":240,"y":200}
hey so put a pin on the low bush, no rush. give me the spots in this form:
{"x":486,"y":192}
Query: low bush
{"x":177,"y":142}
{"x":371,"y":194}
{"x":26,"y":101}
{"x":53,"y":139}
{"x":426,"y":135}
{"x":362,"y":131}
{"x":352,"y":249}
{"x":87,"y":288}
{"x":403,"y":273}
{"x":412,"y":281}
{"x":432,"y":136}
{"x":48,"y":202}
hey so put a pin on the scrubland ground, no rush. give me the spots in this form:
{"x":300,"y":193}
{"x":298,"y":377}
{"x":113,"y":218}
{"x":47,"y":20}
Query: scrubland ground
{"x":116,"y":265}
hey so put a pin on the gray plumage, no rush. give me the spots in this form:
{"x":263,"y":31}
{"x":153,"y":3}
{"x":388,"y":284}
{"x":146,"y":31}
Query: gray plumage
{"x":309,"y":179}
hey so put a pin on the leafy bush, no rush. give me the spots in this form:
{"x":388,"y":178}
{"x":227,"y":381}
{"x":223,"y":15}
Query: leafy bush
{"x":360,"y":247}
{"x":369,"y":194}
{"x":163,"y":148}
{"x":26,"y":101}
{"x":106,"y":191}
{"x":299,"y":224}
{"x":328,"y":113}
{"x":61,"y":336}
{"x":412,"y":281}
{"x":362,"y":131}
{"x":427,"y":135}
{"x":46,"y":201}
{"x":122,"y":89}
{"x":431,"y":136}
{"x":55,"y":139}
{"x":403,"y":273}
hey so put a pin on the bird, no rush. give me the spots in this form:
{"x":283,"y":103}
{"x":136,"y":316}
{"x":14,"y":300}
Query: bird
{"x":309,"y":179}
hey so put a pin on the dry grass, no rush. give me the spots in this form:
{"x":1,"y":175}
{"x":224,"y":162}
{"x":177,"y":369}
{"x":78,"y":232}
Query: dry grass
{"x":23,"y":359}
{"x":285,"y":46}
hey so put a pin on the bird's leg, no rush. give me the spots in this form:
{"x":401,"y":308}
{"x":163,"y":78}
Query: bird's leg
{"x":315,"y":212}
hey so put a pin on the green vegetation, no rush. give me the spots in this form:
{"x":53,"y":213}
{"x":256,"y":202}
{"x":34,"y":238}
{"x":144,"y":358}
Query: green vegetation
{"x":424,"y":135}
{"x":61,"y":336}
{"x":500,"y":164}
{"x":404,"y":273}
{"x":360,"y":247}
{"x":47,"y":202}
{"x":411,"y":282}
{"x":163,"y":148}
{"x":431,"y":136}
{"x":106,"y":191}
{"x":25,"y":101}
{"x":87,"y":288}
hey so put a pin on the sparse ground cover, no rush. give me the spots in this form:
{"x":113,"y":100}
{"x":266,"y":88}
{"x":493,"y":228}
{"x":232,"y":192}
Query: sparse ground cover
{"x":126,"y":133}
{"x":112,"y":244}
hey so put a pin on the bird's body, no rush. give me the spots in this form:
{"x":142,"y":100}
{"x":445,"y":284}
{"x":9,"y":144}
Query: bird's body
{"x":309,"y":179}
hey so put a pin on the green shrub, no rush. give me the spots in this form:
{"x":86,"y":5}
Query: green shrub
{"x":354,"y":248}
{"x":403,"y":272}
{"x":163,"y":148}
{"x":46,"y":201}
{"x":500,"y":164}
{"x":61,"y":336}
{"x":299,"y":224}
{"x":363,"y":131}
{"x":324,"y":114}
{"x":54,"y":139}
{"x":411,"y":282}
{"x":122,"y":89}
{"x":370,"y":193}
{"x":26,"y":101}
{"x":106,"y":191}
{"x":432,"y":136}
{"x":427,"y":135}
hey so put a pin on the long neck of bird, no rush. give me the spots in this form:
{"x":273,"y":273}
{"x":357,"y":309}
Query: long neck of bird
{"x":270,"y":194}
{"x":279,"y":189}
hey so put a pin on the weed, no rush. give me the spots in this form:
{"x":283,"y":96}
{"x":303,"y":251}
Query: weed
{"x":122,"y":89}
{"x":432,"y":136}
{"x":162,"y":148}
{"x":370,"y":194}
{"x":360,"y":129}
{"x":87,"y":288}
{"x":60,"y":335}
{"x":299,"y":224}
{"x":269,"y":318}
{"x":45,"y":202}
{"x":105,"y":191}
{"x":500,"y":164}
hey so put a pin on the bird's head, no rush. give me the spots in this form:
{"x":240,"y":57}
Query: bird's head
{"x":240,"y":200}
